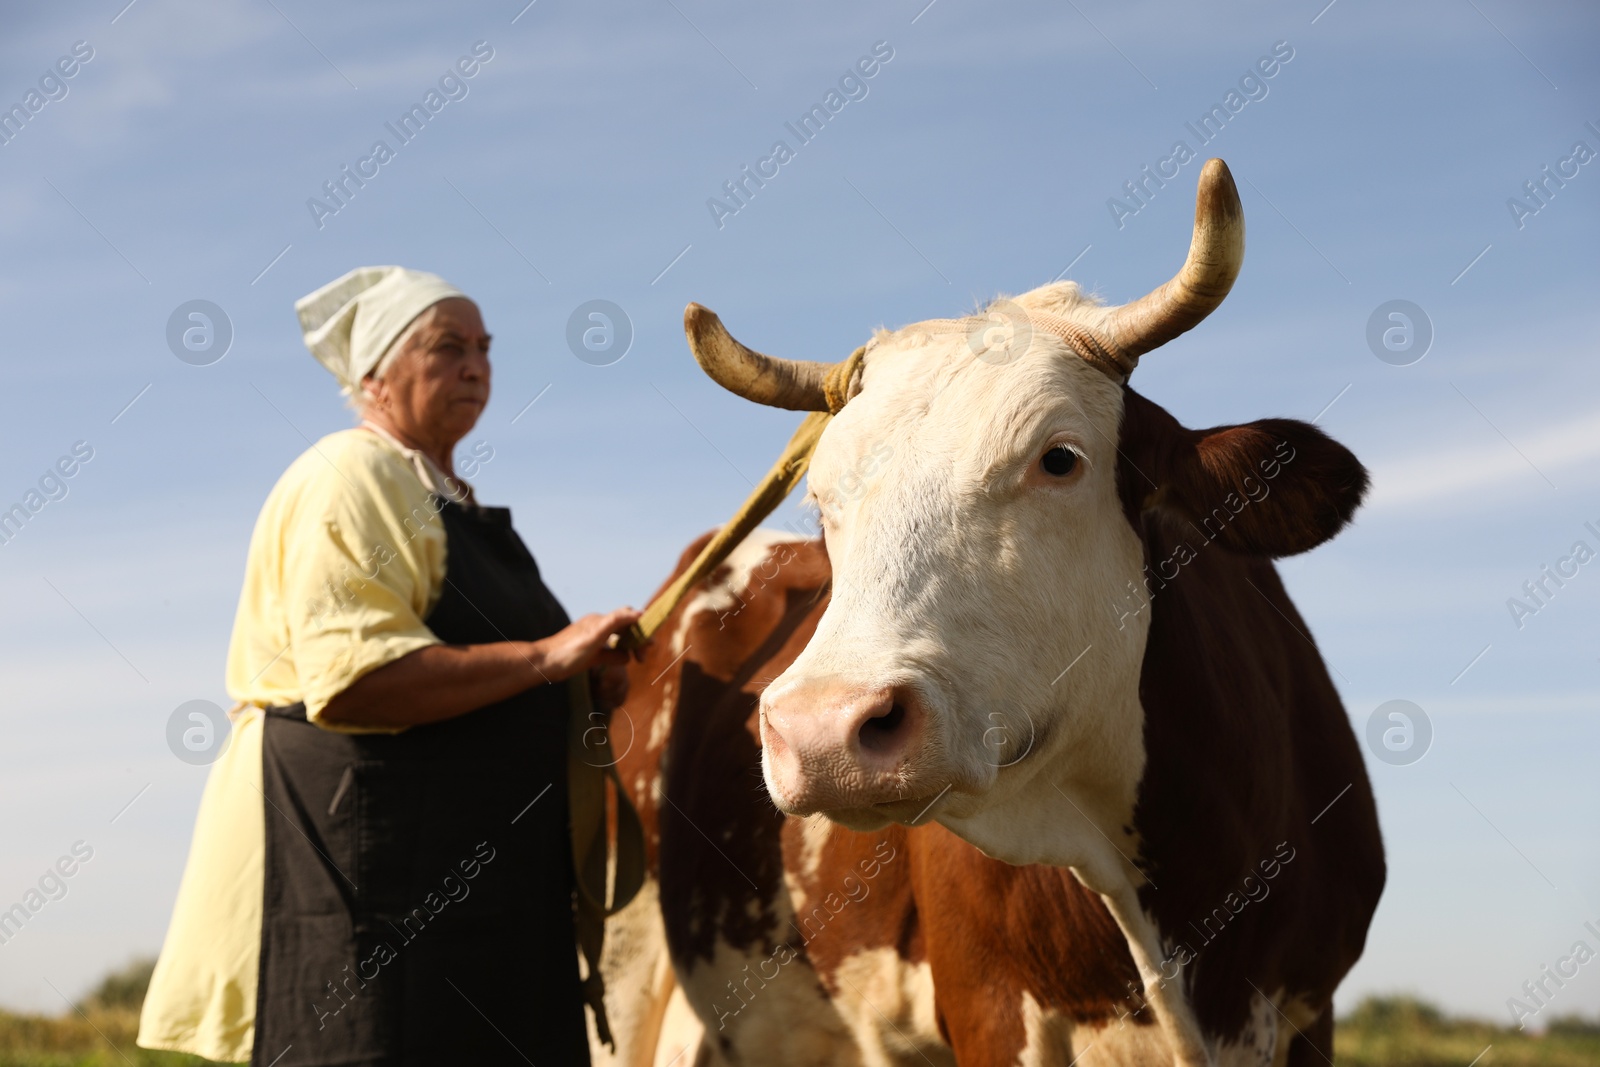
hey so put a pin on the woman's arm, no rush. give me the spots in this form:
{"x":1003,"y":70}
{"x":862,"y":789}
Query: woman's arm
{"x":442,"y":681}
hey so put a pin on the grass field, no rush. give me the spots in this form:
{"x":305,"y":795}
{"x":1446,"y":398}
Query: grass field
{"x":99,"y":1032}
{"x":1380,"y":1032}
{"x":1404,"y":1032}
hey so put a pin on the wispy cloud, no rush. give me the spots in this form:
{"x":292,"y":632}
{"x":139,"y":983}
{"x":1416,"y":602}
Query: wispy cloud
{"x":1466,"y":475}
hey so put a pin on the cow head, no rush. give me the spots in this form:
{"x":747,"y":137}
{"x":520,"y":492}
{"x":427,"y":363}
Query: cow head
{"x":985,"y":633}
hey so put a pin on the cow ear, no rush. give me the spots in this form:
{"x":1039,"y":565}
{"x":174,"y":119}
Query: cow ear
{"x":1273,"y":487}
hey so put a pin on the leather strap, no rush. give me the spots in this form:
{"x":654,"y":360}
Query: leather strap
{"x":590,"y":765}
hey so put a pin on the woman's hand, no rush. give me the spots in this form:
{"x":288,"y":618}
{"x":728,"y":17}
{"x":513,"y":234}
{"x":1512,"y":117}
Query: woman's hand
{"x":584,"y":644}
{"x":442,"y":681}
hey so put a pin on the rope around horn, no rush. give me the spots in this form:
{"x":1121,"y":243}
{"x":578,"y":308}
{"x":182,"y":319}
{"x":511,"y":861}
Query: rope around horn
{"x":1099,"y":353}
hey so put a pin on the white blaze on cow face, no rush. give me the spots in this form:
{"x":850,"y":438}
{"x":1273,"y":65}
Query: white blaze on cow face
{"x":968,"y":574}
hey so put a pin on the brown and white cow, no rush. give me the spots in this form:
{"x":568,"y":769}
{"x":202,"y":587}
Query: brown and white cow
{"x":1042,"y":621}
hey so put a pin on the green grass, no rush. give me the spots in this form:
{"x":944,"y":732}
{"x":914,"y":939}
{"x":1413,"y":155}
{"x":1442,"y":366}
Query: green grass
{"x":1381,"y":1032}
{"x":1406,"y":1032}
{"x":99,"y":1032}
{"x":97,"y":1038}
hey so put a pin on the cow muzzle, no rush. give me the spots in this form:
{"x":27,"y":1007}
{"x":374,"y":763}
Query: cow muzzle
{"x":830,"y":745}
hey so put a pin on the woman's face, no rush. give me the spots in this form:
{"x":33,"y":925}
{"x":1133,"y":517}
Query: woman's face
{"x":439,"y":383}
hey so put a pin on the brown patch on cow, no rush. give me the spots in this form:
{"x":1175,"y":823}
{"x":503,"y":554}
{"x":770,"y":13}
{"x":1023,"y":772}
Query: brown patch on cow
{"x":858,"y":896}
{"x":719,"y":860}
{"x":1246,"y":738}
{"x":995,"y":931}
{"x":637,"y":744}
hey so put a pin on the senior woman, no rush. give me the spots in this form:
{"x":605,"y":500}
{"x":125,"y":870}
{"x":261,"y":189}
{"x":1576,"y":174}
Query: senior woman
{"x":381,"y":869}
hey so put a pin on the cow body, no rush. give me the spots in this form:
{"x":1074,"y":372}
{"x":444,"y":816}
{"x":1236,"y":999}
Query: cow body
{"x":1029,"y":758}
{"x":797,"y":941}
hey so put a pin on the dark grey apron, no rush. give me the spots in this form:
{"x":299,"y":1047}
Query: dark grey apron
{"x":418,"y":898}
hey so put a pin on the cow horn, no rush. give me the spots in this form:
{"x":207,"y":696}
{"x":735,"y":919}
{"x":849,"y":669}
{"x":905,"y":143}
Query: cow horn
{"x":1215,"y":254}
{"x":796,"y":384}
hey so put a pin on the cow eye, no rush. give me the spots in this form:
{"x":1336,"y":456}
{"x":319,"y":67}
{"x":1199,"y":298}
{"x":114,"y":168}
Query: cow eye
{"x":1060,"y":461}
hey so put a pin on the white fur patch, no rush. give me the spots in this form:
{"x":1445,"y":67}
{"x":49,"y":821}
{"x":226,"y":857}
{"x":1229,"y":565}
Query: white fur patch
{"x":639,"y":983}
{"x":682,"y":1036}
{"x":786,"y":1020}
{"x":883,"y":1015}
{"x":888,"y":1005}
{"x":727,"y":593}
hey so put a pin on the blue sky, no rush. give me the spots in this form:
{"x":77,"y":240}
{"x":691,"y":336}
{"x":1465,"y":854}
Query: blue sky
{"x":980,"y":161}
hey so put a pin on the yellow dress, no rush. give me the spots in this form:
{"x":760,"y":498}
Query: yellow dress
{"x":346,"y":560}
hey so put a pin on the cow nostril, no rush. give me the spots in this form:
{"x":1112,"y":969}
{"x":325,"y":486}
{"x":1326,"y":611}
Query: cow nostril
{"x":880,"y":732}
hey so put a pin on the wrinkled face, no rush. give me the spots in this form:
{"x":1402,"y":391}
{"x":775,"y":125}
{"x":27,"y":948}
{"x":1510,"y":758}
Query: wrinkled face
{"x":438,"y":383}
{"x":980,"y":561}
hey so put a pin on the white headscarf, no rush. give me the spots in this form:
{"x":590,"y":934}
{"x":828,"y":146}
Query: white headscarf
{"x":351,"y":322}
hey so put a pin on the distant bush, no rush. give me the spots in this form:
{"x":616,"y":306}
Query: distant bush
{"x":1573,"y":1024}
{"x":1400,"y":1012}
{"x":98,"y":1031}
{"x":1406,"y":1031}
{"x":121,"y":989}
